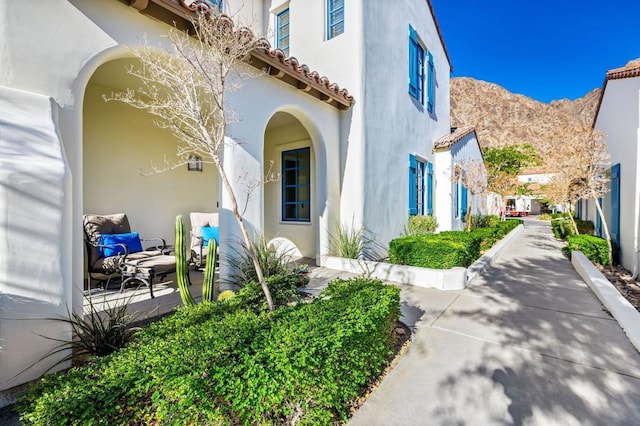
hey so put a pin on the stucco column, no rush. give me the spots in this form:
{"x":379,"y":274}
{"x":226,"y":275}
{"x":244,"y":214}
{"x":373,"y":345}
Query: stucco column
{"x":35,"y":236}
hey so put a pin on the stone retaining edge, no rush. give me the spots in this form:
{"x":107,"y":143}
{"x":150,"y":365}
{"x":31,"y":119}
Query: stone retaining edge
{"x":625,"y":314}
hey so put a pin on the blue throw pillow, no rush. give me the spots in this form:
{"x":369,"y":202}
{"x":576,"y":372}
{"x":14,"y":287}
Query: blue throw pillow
{"x":209,"y":232}
{"x":131,"y":240}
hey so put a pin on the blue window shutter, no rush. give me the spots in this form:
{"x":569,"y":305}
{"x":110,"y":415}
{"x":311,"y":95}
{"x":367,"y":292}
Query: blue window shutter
{"x":413,"y":62}
{"x":615,"y":203}
{"x":431,"y":83}
{"x":456,"y":200}
{"x":413,"y":185}
{"x":598,"y":220}
{"x":429,"y":189}
{"x":579,"y":208}
{"x":464,"y":205}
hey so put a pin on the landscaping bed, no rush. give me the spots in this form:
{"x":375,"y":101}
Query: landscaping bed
{"x":233,"y":363}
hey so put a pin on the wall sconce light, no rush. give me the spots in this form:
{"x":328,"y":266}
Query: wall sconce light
{"x":194,"y":164}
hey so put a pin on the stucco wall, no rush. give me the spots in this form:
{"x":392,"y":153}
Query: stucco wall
{"x":303,"y":235}
{"x":119,"y":143}
{"x":53,"y":49}
{"x":35,"y":226}
{"x":246,"y":157}
{"x":619,"y":119}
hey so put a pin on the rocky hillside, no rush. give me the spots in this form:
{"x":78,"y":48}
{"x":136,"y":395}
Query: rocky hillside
{"x":504,"y":118}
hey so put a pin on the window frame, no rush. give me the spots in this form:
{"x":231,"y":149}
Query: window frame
{"x":286,"y":185}
{"x":420,"y":186}
{"x":330,"y":24}
{"x":278,"y":27}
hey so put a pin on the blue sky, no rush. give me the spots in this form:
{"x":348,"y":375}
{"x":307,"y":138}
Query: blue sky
{"x":545,"y":49}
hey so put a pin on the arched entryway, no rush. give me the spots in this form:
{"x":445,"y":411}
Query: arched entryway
{"x":290,"y":203}
{"x":120,"y":144}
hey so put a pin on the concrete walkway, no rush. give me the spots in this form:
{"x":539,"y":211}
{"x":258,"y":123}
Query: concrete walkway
{"x":526,"y":343}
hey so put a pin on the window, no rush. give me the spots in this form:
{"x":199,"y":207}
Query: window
{"x":417,"y":68}
{"x":296,"y":185}
{"x":282,"y":31}
{"x":461,"y":200}
{"x":335,"y":18}
{"x":420,"y":186}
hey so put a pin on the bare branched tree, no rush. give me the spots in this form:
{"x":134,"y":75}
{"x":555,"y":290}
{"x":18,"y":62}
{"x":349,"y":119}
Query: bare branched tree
{"x":579,"y":154}
{"x":185,"y":87}
{"x":473,"y":175}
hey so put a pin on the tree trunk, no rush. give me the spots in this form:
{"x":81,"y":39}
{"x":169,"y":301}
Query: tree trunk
{"x":245,"y":233}
{"x":469,"y":210}
{"x":573,"y":222}
{"x":605,"y":228}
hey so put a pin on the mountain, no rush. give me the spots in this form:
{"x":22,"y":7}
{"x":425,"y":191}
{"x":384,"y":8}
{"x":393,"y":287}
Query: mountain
{"x":504,"y":118}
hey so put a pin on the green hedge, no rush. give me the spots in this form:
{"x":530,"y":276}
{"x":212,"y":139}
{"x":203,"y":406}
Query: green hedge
{"x":434,"y":251}
{"x":447,"y":249}
{"x":216,"y":363}
{"x":562,"y":227}
{"x":594,"y":248}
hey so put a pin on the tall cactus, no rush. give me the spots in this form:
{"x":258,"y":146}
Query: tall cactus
{"x":209,"y":272}
{"x":181,"y":264}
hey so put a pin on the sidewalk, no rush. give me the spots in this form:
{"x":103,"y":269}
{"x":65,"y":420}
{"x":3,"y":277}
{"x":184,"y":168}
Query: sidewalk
{"x":526,"y":343}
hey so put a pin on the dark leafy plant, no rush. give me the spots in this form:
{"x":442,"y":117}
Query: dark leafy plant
{"x":218,"y":363}
{"x":273,"y":262}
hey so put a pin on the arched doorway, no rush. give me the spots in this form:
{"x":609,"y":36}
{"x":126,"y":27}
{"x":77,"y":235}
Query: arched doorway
{"x":126,"y":159}
{"x":290,"y":209}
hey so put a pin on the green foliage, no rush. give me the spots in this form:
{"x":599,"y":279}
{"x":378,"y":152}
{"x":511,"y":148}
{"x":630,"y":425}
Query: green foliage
{"x":420,"y":225}
{"x":562,"y":227}
{"x":273,"y":262}
{"x":448,"y":249}
{"x":545,"y":217}
{"x":485,"y":221}
{"x":349,"y":241}
{"x":216,"y":363}
{"x":226,"y":295}
{"x":282,"y":287}
{"x":585,"y":227}
{"x":594,"y":248}
{"x":435,"y":251}
{"x":510,"y":159}
{"x":182,"y":274}
{"x":209,"y":271}
{"x":559,"y":215}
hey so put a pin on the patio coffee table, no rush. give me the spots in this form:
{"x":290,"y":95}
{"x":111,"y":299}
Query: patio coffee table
{"x":145,"y":270}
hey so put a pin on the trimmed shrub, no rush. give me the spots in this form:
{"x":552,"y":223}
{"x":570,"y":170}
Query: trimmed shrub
{"x":585,"y":227}
{"x":439,"y":251}
{"x":216,"y":364}
{"x":485,"y":221}
{"x":420,"y":225}
{"x":562,"y":228}
{"x":594,"y":248}
{"x":282,"y":287}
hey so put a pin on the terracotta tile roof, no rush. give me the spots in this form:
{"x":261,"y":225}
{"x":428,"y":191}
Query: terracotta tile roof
{"x":632,"y":69}
{"x":454,"y":137}
{"x":308,"y":81}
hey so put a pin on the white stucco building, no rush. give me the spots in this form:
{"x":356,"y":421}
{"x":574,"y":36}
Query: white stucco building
{"x":618,"y":117}
{"x":367,"y":156}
